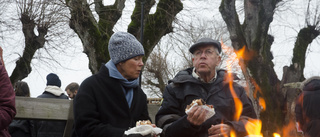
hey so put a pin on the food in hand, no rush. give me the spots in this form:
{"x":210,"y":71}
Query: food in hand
{"x":198,"y":102}
{"x":143,"y":122}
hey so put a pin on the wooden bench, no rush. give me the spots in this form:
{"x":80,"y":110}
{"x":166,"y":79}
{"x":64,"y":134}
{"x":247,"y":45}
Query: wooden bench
{"x":46,"y":109}
{"x":59,"y":109}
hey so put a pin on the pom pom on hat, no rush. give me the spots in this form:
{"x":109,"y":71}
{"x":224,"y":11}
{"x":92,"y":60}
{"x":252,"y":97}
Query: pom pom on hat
{"x":53,"y":80}
{"x":124,"y":46}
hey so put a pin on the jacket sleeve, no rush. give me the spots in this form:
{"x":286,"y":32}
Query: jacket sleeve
{"x":247,"y":113}
{"x":170,"y":118}
{"x":86,"y":116}
{"x":7,"y":99}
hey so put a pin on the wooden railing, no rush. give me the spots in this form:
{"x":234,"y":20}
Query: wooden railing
{"x":59,"y":109}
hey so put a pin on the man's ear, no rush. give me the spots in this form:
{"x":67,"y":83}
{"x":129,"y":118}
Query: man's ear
{"x":219,"y":60}
{"x":192,"y":61}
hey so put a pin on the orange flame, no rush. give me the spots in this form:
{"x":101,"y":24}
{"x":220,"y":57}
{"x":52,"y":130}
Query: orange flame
{"x":223,"y":132}
{"x":288,"y":129}
{"x":262,"y":103}
{"x":276,"y":135}
{"x":245,"y":54}
{"x":240,"y":53}
{"x":256,"y":88}
{"x":253,"y":127}
{"x":237,"y":102}
{"x":232,"y":133}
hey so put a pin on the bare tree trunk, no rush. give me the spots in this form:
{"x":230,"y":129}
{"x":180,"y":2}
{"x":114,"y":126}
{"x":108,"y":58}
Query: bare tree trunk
{"x":32,"y":44}
{"x":252,"y":35}
{"x":37,"y":18}
{"x":96,"y":34}
{"x":294,"y":73}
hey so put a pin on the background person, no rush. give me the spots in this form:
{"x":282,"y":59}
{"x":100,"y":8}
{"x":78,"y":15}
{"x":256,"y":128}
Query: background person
{"x":72,"y":89}
{"x":203,"y":81}
{"x":7,"y":100}
{"x":21,"y":128}
{"x":307,"y":108}
{"x":111,"y":101}
{"x":51,"y":128}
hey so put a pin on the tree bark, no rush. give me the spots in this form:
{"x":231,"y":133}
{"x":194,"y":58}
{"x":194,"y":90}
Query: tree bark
{"x":257,"y":62}
{"x":294,"y":72}
{"x":95,"y":35}
{"x":32,"y":44}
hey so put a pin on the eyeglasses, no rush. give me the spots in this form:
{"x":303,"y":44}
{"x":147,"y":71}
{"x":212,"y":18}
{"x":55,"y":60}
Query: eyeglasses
{"x":207,"y":53}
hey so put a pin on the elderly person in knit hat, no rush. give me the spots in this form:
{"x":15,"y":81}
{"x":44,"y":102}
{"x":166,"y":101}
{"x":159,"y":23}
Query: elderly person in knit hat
{"x":51,"y":128}
{"x":307,"y":107}
{"x":110,"y":102}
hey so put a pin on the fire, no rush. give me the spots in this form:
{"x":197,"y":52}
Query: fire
{"x":232,"y":133}
{"x":276,"y":135}
{"x":240,"y":53}
{"x":256,"y":88}
{"x":253,"y":127}
{"x":223,"y":133}
{"x":262,"y":103}
{"x":237,"y":102}
{"x":289,"y":129}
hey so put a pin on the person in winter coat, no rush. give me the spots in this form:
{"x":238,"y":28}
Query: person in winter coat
{"x":203,"y":81}
{"x":51,"y":128}
{"x":110,"y":102}
{"x":21,"y":128}
{"x":307,"y":107}
{"x":7,"y":100}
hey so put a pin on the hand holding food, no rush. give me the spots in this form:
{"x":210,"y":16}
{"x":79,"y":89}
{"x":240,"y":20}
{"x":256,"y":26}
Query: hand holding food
{"x":144,"y":127}
{"x":201,"y":103}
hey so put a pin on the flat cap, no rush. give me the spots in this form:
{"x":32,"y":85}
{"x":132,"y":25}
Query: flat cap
{"x":203,"y":42}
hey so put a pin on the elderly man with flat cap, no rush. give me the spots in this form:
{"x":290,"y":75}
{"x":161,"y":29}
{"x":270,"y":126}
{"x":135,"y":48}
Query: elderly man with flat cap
{"x":203,"y":81}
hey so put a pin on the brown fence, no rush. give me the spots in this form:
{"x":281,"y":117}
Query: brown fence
{"x":60,"y":109}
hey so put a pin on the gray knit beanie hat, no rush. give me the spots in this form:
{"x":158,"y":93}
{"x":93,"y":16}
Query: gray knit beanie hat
{"x":124,"y":46}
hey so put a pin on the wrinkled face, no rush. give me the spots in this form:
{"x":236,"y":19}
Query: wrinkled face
{"x":206,"y":59}
{"x":131,"y":68}
{"x":70,"y":94}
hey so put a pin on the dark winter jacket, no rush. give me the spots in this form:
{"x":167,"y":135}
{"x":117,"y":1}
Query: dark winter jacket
{"x":7,"y":102}
{"x":101,"y":109}
{"x":307,"y":107}
{"x":50,"y":128}
{"x":184,"y":88}
{"x":20,"y":128}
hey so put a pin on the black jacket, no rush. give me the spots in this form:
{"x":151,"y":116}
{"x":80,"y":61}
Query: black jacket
{"x":49,"y":128}
{"x":307,"y":107}
{"x":184,"y":88}
{"x":101,"y":109}
{"x":20,"y":128}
